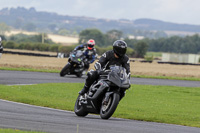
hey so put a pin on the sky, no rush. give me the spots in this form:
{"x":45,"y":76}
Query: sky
{"x":175,"y":11}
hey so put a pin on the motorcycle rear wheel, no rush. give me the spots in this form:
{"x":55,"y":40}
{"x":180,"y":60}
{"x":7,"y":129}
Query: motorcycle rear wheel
{"x":78,"y":109}
{"x":65,"y":70}
{"x":107,"y":111}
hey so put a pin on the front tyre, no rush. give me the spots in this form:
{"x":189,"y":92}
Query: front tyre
{"x":78,"y":109}
{"x":108,"y":109}
{"x":65,"y":70}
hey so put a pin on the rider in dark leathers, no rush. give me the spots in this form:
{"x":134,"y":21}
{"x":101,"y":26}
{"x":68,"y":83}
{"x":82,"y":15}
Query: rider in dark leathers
{"x":89,"y":52}
{"x":1,"y":47}
{"x":116,"y":56}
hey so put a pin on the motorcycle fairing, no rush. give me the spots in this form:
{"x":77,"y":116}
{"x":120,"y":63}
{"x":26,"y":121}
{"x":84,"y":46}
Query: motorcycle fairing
{"x":119,"y":77}
{"x":96,"y":91}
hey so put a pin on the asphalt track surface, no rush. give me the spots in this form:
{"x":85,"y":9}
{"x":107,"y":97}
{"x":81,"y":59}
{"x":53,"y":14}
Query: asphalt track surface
{"x":27,"y":117}
{"x":23,"y":77}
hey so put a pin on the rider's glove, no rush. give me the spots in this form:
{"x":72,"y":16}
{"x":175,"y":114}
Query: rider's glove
{"x":99,"y":72}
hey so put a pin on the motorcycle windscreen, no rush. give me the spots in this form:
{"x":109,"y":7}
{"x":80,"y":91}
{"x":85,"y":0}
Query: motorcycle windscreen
{"x":79,"y":53}
{"x":115,"y":78}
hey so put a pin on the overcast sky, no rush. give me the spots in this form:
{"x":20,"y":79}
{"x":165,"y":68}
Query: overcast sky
{"x":177,"y":11}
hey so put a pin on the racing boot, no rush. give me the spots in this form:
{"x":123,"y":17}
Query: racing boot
{"x":84,"y":90}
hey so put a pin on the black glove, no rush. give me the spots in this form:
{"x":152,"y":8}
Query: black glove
{"x":99,"y":72}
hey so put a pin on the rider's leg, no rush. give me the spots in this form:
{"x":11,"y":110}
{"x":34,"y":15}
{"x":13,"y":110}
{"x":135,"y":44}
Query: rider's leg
{"x":91,"y":77}
{"x":87,"y":65}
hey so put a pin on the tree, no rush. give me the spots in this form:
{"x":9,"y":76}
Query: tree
{"x":140,"y":49}
{"x":113,"y":35}
{"x":95,"y":34}
{"x":63,"y":32}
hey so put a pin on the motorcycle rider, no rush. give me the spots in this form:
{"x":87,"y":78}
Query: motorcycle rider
{"x":116,"y":56}
{"x":1,"y":47}
{"x":89,"y":51}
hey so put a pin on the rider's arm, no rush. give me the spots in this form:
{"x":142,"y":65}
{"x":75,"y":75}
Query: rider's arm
{"x":102,"y":62}
{"x":1,"y":47}
{"x":79,"y":47}
{"x":93,"y":56}
{"x":93,"y":59}
{"x":126,"y":65}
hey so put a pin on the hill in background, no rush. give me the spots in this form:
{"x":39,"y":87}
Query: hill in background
{"x":32,"y":20}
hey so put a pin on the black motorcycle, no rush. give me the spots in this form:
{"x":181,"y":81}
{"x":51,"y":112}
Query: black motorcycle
{"x":1,"y":48}
{"x":75,"y":65}
{"x":104,"y":95}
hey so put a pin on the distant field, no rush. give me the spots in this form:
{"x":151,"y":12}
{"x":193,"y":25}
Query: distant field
{"x":65,"y":40}
{"x":137,"y":68}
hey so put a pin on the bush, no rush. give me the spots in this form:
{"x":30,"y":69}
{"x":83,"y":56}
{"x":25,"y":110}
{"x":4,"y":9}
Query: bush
{"x":66,"y":49}
{"x":100,"y":51}
{"x":54,"y":48}
{"x":10,"y":45}
{"x":57,"y":48}
{"x":148,"y":58}
{"x":130,"y":52}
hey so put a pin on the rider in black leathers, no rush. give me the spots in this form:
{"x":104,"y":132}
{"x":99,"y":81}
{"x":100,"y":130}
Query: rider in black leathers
{"x":116,"y":56}
{"x":1,"y":47}
{"x":89,"y":51}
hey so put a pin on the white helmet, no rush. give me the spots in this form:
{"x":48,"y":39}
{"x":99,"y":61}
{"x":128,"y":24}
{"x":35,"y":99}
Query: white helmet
{"x":91,"y":43}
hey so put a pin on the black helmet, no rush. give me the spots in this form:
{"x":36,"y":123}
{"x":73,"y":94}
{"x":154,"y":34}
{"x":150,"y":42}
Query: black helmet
{"x":119,"y":47}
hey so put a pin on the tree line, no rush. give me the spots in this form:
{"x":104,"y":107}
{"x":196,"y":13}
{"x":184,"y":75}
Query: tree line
{"x":34,"y":42}
{"x":104,"y":41}
{"x":175,"y":44}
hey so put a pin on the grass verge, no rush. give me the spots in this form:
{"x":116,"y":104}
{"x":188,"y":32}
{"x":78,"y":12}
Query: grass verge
{"x":16,"y":131}
{"x":164,"y":104}
{"x":167,"y":77}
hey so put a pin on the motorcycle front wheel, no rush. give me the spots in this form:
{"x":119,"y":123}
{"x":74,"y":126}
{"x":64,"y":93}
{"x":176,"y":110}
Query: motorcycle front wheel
{"x":78,"y":108}
{"x":109,"y":108}
{"x":65,"y":70}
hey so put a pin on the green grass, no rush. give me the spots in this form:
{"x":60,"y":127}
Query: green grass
{"x":165,"y":104}
{"x":16,"y":131}
{"x":154,"y":54}
{"x":166,"y":77}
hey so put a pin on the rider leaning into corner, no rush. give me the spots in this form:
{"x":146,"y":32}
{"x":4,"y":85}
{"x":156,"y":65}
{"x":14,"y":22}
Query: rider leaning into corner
{"x":89,"y":51}
{"x":1,"y":47}
{"x":117,"y":56}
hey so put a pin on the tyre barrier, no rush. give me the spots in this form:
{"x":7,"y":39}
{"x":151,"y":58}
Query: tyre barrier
{"x":177,"y":63}
{"x":29,"y":54}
